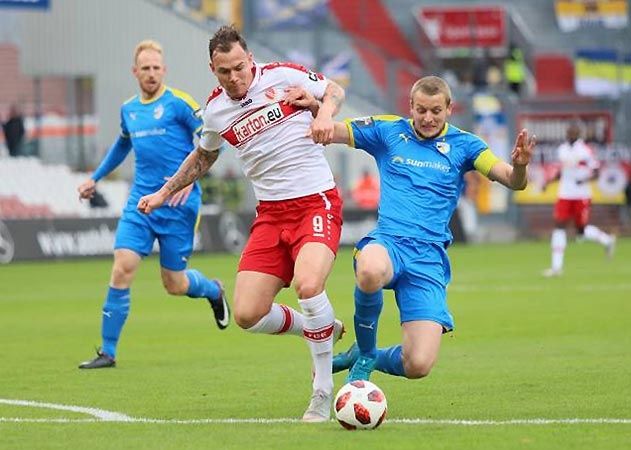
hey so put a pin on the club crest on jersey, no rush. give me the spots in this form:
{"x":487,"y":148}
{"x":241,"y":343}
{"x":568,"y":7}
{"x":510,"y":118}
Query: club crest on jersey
{"x":158,"y":111}
{"x":270,"y":93}
{"x":443,"y":147}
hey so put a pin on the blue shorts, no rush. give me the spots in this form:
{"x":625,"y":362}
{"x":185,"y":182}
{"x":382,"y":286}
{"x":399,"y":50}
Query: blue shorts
{"x":175,"y":232}
{"x":421,"y":275}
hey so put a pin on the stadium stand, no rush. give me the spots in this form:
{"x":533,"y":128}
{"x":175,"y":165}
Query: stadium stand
{"x":30,"y":189}
{"x":388,"y":53}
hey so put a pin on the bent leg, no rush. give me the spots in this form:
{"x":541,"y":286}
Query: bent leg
{"x":418,"y":354}
{"x":593,"y":233}
{"x":191,"y":283}
{"x":194,"y":284}
{"x":254,"y":307}
{"x":176,"y":238}
{"x":421,"y":297}
{"x":421,"y":344}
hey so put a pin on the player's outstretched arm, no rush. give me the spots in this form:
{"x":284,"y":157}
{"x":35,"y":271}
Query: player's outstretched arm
{"x":515,"y":176}
{"x":192,"y":168}
{"x":341,"y":133}
{"x":114,"y":157}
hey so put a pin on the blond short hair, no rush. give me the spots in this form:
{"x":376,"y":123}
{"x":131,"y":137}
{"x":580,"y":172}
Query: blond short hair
{"x":147,"y":44}
{"x":432,"y":85}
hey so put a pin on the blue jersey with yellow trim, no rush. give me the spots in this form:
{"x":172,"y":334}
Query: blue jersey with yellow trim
{"x":421,"y":179}
{"x":161,"y":132}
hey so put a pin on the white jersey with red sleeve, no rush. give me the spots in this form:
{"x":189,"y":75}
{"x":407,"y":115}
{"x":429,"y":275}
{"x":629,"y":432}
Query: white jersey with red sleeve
{"x":271,"y":137}
{"x":577,"y":166}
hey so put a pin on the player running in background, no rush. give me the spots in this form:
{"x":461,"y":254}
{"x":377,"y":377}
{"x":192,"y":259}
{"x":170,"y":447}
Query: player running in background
{"x":421,"y":164}
{"x":578,"y":168}
{"x":159,"y":124}
{"x":296,"y":233}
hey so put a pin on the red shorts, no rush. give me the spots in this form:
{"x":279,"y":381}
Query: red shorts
{"x":282,"y":227}
{"x":576,"y":210}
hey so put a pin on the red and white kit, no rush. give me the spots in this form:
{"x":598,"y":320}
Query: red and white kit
{"x":269,"y":136}
{"x":290,"y":175}
{"x":574,"y":197}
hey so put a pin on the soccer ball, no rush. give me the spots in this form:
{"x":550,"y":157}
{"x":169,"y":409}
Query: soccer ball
{"x":360,"y":405}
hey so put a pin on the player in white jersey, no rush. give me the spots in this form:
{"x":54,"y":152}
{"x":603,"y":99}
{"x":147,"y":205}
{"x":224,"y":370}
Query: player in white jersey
{"x":578,"y":168}
{"x":296,"y":233}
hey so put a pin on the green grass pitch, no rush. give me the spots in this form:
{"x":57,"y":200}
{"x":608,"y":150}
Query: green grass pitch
{"x":525,"y":349}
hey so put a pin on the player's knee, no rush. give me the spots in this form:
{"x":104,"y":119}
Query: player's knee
{"x":370,"y":277}
{"x":307,"y":286}
{"x":246,"y":318}
{"x":122,"y":274}
{"x":417,"y":366}
{"x":173,"y":287}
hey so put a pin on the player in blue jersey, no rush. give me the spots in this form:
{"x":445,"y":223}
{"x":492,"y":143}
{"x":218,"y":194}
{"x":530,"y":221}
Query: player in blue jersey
{"x":421,"y":163}
{"x":159,"y":124}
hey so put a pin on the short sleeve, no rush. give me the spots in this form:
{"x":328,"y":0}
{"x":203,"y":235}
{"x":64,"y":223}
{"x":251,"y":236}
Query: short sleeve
{"x":188,"y":111}
{"x":298,"y":75}
{"x":474,"y":149}
{"x":190,"y":117}
{"x":365,"y":133}
{"x":210,"y":140}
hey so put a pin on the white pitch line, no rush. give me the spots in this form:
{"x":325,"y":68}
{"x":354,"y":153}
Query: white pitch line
{"x":469,"y":423}
{"x":101,"y":415}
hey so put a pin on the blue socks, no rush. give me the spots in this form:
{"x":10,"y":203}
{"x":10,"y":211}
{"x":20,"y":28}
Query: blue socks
{"x":389,"y":361}
{"x":115,"y":312}
{"x":367,"y":310}
{"x":116,"y":307}
{"x":200,"y":286}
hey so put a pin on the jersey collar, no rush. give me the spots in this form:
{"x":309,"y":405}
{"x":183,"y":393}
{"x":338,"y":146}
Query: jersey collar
{"x":441,"y":134}
{"x":159,"y":94}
